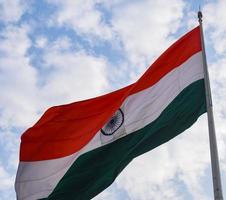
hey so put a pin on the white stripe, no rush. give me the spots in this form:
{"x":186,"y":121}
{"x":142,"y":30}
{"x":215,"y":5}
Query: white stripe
{"x":38,"y":179}
{"x":145,"y":106}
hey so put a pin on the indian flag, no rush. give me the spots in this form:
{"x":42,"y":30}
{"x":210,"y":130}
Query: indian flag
{"x":77,"y":150}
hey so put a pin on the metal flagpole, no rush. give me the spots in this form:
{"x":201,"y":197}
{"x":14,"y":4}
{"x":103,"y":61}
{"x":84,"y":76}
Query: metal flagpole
{"x":212,"y":136}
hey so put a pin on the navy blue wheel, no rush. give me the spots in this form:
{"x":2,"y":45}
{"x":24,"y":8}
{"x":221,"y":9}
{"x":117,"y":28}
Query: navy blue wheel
{"x":114,"y":123}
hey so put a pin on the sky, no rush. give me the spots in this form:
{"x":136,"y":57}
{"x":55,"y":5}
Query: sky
{"x":54,"y":52}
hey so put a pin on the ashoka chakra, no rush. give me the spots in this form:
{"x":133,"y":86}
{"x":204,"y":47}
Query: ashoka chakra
{"x":114,"y":123}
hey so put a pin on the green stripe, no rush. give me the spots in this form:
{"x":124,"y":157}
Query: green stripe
{"x":95,"y":170}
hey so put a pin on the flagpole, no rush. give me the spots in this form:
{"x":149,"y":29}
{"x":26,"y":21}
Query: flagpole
{"x":212,"y":136}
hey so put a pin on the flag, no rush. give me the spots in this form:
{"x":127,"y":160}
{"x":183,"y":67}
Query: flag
{"x":77,"y":150}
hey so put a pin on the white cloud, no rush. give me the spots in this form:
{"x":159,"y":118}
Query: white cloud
{"x":66,"y":75}
{"x":144,"y":29}
{"x":139,"y":33}
{"x":218,"y":85}
{"x":215,"y":21}
{"x":111,"y":193}
{"x":14,"y":41}
{"x":11,"y":10}
{"x":17,"y":80}
{"x":41,"y":42}
{"x":9,"y":142}
{"x":72,"y":74}
{"x":6,"y":182}
{"x":82,"y":16}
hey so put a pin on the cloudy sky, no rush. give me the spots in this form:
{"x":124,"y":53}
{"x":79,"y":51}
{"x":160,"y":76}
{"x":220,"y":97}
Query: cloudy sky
{"x":54,"y":52}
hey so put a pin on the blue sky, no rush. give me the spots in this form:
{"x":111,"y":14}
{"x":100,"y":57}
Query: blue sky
{"x":54,"y":52}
